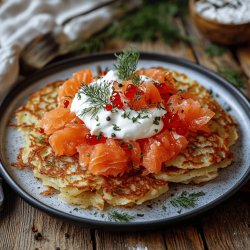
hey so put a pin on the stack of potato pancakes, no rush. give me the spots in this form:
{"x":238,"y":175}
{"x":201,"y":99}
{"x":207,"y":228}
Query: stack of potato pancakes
{"x":200,"y":162}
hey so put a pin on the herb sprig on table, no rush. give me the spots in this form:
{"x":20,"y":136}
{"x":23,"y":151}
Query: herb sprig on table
{"x":213,"y":50}
{"x":151,"y":21}
{"x":122,"y":217}
{"x":148,"y":23}
{"x":186,"y":200}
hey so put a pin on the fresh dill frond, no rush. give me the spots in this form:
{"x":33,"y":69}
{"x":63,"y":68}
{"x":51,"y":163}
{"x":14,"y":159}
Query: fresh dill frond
{"x":186,"y":200}
{"x":142,"y":25}
{"x":126,"y":63}
{"x":97,"y":96}
{"x":123,"y":217}
{"x":89,"y":46}
{"x":232,"y":75}
{"x":214,"y":50}
{"x":136,"y":80}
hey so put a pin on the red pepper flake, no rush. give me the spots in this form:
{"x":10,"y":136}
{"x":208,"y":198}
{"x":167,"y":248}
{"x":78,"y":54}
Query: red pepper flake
{"x":41,"y":131}
{"x":66,"y":103}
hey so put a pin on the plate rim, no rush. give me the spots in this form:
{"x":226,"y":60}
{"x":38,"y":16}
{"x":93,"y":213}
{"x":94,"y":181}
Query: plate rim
{"x":109,"y":225}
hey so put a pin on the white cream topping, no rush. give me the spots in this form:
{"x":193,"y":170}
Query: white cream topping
{"x":119,"y":123}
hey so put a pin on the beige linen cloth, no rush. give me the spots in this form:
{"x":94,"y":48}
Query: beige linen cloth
{"x":23,"y":20}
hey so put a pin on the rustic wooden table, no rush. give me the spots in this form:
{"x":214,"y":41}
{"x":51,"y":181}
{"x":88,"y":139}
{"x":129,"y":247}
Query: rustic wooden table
{"x":225,"y":227}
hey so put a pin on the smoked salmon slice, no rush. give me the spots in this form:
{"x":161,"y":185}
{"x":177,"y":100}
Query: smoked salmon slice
{"x":106,"y":159}
{"x":162,"y":148}
{"x":65,"y":141}
{"x":56,"y":119}
{"x":190,"y":112}
{"x":69,"y":89}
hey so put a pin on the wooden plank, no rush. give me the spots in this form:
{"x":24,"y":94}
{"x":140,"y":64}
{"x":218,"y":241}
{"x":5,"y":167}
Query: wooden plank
{"x":183,"y":237}
{"x":227,"y":226}
{"x":243,"y":54}
{"x":24,"y":227}
{"x":214,"y":63}
{"x":177,"y":48}
{"x":122,"y":241}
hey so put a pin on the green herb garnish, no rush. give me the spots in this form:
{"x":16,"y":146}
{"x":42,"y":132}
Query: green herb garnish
{"x":186,"y":200}
{"x":124,"y":217}
{"x":136,"y":80}
{"x":121,"y":142}
{"x":99,"y":136}
{"x":157,"y":120}
{"x":97,"y":96}
{"x":116,"y":128}
{"x":214,"y":50}
{"x":40,"y":139}
{"x":143,"y":25}
{"x":92,"y":45}
{"x":126,"y":63}
{"x":233,"y":76}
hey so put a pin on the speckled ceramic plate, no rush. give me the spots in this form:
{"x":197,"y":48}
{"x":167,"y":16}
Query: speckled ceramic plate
{"x":154,"y":213}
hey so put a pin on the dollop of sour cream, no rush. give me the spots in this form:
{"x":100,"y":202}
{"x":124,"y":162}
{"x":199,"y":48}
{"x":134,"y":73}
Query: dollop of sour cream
{"x":124,"y":123}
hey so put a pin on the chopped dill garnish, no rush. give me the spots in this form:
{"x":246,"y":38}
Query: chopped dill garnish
{"x":122,"y":217}
{"x":214,"y":50}
{"x":97,"y":96}
{"x":99,"y":136}
{"x":136,"y":80}
{"x":126,"y":115}
{"x":116,"y":128}
{"x":121,"y":142}
{"x":130,"y":146}
{"x":233,"y":76}
{"x":126,"y":63}
{"x":186,"y":200}
{"x":40,"y":139}
{"x":157,"y":120}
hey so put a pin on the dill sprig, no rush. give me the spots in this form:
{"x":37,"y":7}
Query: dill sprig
{"x":123,"y":217}
{"x":142,"y":25}
{"x":126,"y":63}
{"x":233,"y":76}
{"x":214,"y":50}
{"x":97,"y":96}
{"x":186,"y":200}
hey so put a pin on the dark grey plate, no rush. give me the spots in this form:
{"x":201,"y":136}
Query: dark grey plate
{"x":155,"y":213}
